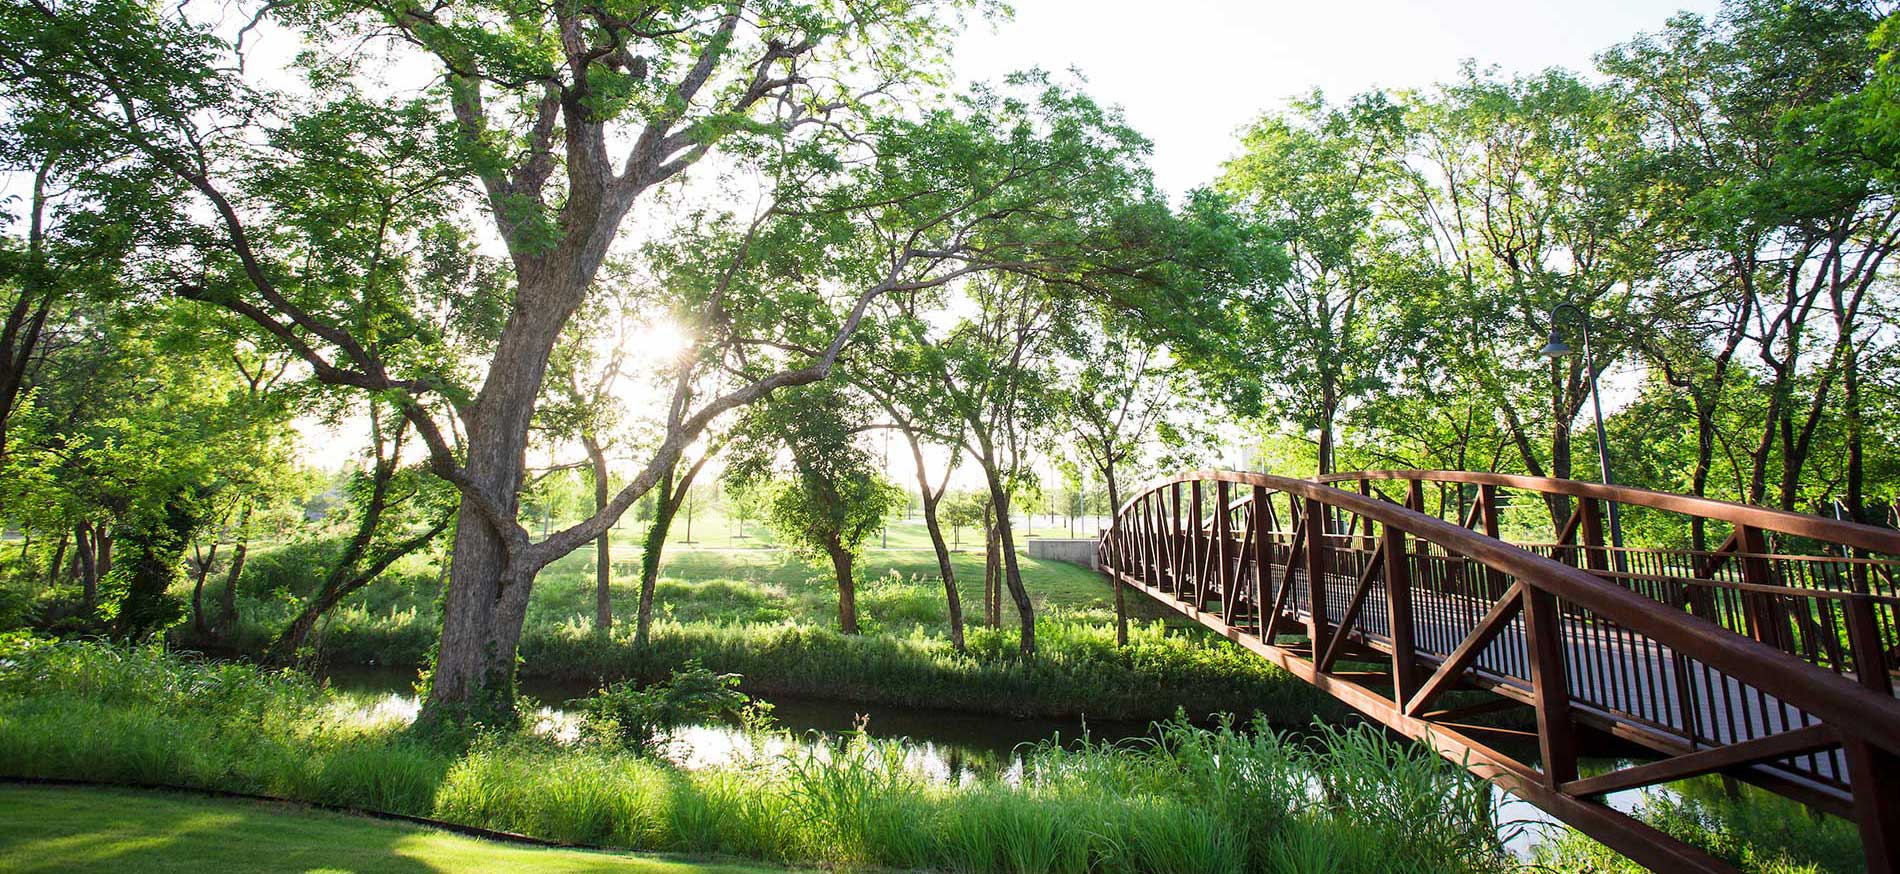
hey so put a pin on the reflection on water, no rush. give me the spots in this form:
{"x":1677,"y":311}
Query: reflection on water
{"x":951,"y":747}
{"x":947,"y":745}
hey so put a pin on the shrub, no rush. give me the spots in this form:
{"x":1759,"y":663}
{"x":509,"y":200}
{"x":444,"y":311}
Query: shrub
{"x":641,"y":719}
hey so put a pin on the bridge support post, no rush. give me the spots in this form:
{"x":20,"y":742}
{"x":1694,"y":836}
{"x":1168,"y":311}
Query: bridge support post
{"x":1262,"y":559}
{"x":1398,"y":599}
{"x":1175,"y":548}
{"x":1870,"y":769}
{"x":1223,"y":553}
{"x":1314,"y":529}
{"x":1556,"y":732}
{"x":1197,"y":547}
{"x":1876,"y":803}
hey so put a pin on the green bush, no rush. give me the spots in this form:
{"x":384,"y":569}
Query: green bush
{"x":639,"y":719}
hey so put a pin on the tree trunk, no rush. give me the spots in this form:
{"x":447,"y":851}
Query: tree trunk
{"x":227,"y":600}
{"x":86,"y":568}
{"x":650,"y":555}
{"x":481,"y":618}
{"x":603,"y":545}
{"x":487,"y":599}
{"x":1856,"y":451}
{"x":1704,"y":463}
{"x":1559,"y":505}
{"x":205,"y":561}
{"x":1329,"y":407}
{"x":59,"y":558}
{"x":953,"y":600}
{"x":102,"y":552}
{"x":841,"y":567}
{"x":1121,"y":599}
{"x":1012,"y":571}
{"x":992,"y":570}
{"x":666,"y":508}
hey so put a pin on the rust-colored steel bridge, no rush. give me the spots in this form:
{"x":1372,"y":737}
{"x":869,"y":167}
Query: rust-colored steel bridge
{"x":1768,"y":658}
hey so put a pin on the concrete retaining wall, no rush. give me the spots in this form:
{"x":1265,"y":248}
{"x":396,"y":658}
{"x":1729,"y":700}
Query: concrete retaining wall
{"x":1077,"y":551}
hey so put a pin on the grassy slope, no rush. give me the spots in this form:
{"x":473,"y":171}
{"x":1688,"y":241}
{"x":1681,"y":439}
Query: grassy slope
{"x":64,"y":829}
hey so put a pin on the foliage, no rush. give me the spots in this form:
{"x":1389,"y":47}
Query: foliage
{"x":639,"y":719}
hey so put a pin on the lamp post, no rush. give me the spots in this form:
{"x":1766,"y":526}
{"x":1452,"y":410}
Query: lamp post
{"x":1556,"y":348}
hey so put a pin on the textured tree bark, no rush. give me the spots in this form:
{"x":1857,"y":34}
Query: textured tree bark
{"x":102,"y":552}
{"x":1856,"y":450}
{"x":59,"y":558}
{"x":487,"y":600}
{"x":992,"y":571}
{"x":1121,"y":595}
{"x":666,"y":508}
{"x":953,"y":600}
{"x":86,"y":568}
{"x":841,"y":567}
{"x":1012,"y":572}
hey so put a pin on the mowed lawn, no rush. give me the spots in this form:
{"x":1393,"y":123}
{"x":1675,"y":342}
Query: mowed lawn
{"x":66,"y":829}
{"x":758,"y":582}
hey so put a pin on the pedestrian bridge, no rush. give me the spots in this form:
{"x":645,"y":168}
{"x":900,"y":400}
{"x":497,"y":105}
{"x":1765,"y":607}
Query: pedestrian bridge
{"x":1768,"y":658}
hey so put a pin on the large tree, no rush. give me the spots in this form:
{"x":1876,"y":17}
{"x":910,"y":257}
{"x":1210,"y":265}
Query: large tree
{"x":1527,"y":193}
{"x":1316,"y":181}
{"x":564,"y":119}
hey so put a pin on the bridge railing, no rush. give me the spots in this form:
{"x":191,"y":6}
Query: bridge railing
{"x":1570,"y":632}
{"x":1821,"y":589}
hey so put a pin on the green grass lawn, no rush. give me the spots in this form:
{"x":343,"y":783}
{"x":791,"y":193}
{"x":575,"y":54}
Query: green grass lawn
{"x":65,"y":829}
{"x":771,"y":616}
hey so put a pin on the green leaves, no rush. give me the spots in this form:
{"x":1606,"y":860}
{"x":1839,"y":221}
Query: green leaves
{"x":826,"y":491}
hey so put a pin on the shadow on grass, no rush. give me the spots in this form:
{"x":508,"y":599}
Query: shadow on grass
{"x":57,"y":830}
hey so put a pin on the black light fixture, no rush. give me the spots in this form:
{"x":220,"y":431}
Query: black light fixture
{"x":1556,"y":348}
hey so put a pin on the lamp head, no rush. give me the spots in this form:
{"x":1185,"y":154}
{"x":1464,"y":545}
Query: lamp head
{"x":1556,"y":347}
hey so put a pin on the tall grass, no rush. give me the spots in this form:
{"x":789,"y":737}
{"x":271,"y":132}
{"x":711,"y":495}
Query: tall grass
{"x":1188,"y":799}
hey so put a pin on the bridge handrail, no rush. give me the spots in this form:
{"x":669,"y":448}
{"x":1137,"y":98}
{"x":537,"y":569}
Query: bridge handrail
{"x":1843,"y":704}
{"x":1872,"y":538}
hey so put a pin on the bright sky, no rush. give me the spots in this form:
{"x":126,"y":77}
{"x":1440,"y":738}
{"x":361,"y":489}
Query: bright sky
{"x":1189,"y":73}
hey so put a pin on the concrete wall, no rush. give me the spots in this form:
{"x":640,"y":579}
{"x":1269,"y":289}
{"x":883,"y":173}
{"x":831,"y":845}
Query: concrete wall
{"x":1078,"y":551}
